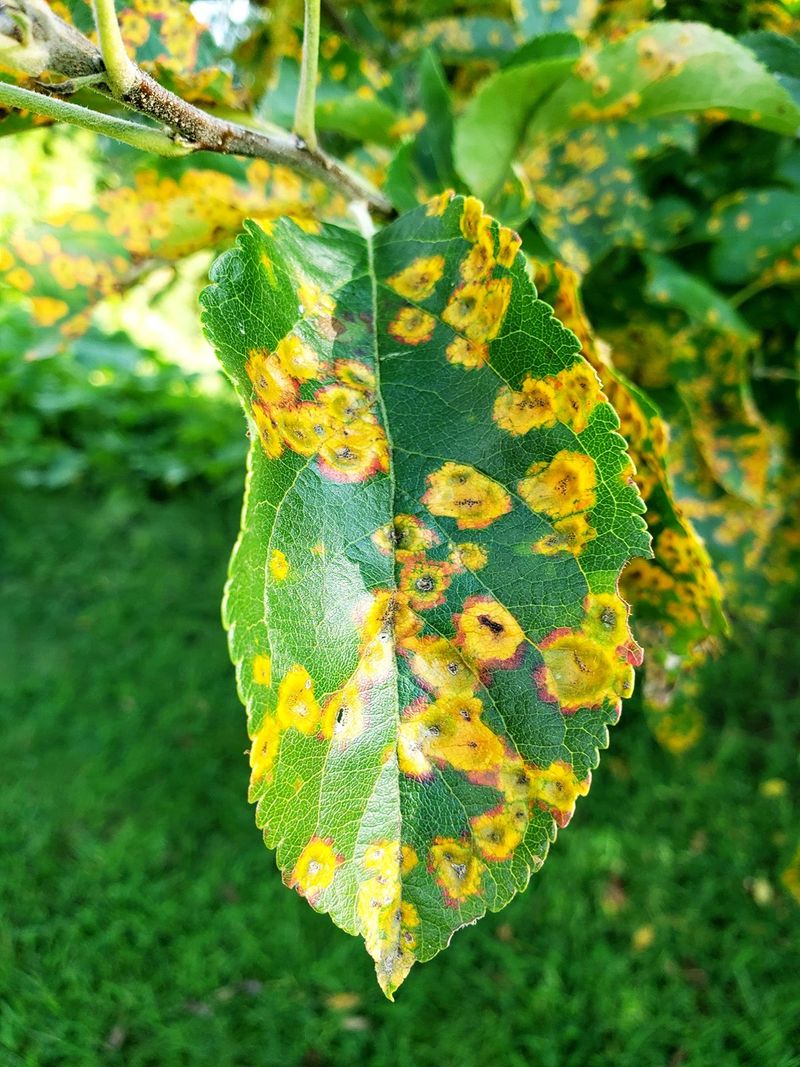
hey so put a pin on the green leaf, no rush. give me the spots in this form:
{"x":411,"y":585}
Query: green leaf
{"x":488,"y":134}
{"x":779,"y":54}
{"x":422,"y":605}
{"x":752,"y":231}
{"x":588,"y":190}
{"x":670,"y":68}
{"x":538,"y":17}
{"x":457,"y":40}
{"x":354,"y":96}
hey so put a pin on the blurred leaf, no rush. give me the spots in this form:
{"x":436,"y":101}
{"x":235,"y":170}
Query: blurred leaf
{"x":393,"y":412}
{"x":355,"y":97}
{"x":171,"y":209}
{"x":462,"y":39}
{"x":537,"y":17}
{"x":489,"y":131}
{"x":741,"y":450}
{"x":587,"y":187}
{"x":780,"y":55}
{"x":754,"y":232}
{"x":669,"y":68}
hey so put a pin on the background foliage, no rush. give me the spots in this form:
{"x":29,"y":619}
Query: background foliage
{"x":658,"y":212}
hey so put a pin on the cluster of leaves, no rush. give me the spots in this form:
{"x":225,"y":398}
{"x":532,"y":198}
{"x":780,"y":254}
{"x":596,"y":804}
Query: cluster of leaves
{"x":649,"y":167}
{"x":103,"y":412}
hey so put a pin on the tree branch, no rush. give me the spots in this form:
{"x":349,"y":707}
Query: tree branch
{"x":67,"y":52}
{"x":133,"y":133}
{"x":304,"y":117}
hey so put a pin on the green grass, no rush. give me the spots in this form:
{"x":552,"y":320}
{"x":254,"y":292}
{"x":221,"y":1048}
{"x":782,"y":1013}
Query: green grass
{"x":143,"y":923}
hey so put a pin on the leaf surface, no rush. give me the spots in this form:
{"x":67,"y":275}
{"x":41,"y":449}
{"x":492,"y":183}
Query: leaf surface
{"x":488,"y":133}
{"x":670,"y":68}
{"x":422,"y":605}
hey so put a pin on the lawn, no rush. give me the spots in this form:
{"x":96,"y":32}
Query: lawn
{"x":145,"y":924}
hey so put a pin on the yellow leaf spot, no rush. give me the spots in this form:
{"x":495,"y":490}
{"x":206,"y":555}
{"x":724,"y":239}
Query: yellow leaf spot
{"x":298,"y":359}
{"x":532,"y":407}
{"x":268,"y":432}
{"x":438,"y":205}
{"x":557,"y":788}
{"x":508,"y":244}
{"x":487,"y":632}
{"x":302,"y":426}
{"x":418,"y":280}
{"x":561,"y":487}
{"x":577,"y":394}
{"x":424,"y":582}
{"x":477,"y":309}
{"x":262,"y":669}
{"x":278,"y":565}
{"x":579,"y":672}
{"x":343,"y":715}
{"x":315,"y":868}
{"x":412,"y":326}
{"x":497,"y":833}
{"x":264,"y":750}
{"x":271,"y":382}
{"x":462,"y":493}
{"x":470,"y":556}
{"x":569,"y":535}
{"x":407,"y":536}
{"x":438,"y":664}
{"x":355,"y":452}
{"x":313,"y":301}
{"x":297,"y":705}
{"x":469,"y":354}
{"x":457,"y":869}
{"x":471,"y":218}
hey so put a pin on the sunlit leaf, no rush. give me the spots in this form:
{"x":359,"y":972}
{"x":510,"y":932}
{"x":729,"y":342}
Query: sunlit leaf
{"x":676,"y":596}
{"x":488,"y":133}
{"x":537,"y":17}
{"x":669,"y":68}
{"x":167,"y":41}
{"x":422,"y":605}
{"x":65,"y":264}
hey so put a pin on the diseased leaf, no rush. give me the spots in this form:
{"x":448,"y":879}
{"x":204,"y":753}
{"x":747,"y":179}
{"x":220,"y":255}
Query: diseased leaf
{"x":756,"y":234}
{"x":588,"y":193}
{"x":422,"y":604}
{"x":710,"y":365}
{"x":457,"y":40}
{"x":168,"y":211}
{"x":676,"y":595}
{"x":355,"y":96}
{"x":670,"y":68}
{"x":487,"y":135}
{"x":538,"y":17}
{"x":169,"y":43}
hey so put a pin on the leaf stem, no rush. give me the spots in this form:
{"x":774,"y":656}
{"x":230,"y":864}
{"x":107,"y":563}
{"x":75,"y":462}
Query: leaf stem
{"x":131,"y":133}
{"x":188,"y":128}
{"x":304,"y":121}
{"x":120,"y":70}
